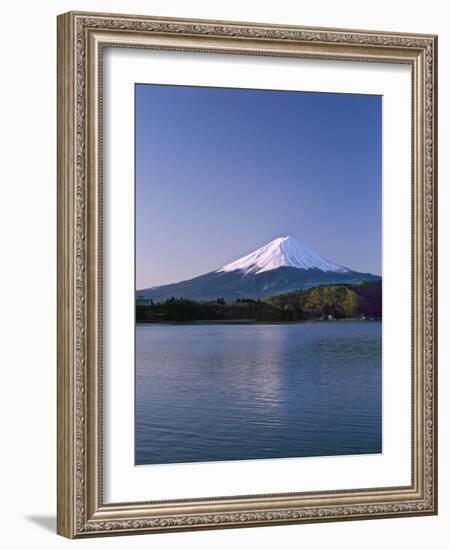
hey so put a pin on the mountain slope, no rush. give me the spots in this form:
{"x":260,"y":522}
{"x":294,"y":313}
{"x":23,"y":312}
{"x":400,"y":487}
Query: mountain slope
{"x":283,"y":265}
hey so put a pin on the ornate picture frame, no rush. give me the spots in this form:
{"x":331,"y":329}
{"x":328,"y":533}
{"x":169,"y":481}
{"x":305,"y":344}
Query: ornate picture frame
{"x":82,"y":38}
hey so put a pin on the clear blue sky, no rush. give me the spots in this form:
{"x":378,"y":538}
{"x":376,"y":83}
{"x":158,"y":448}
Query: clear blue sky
{"x":221,"y":172}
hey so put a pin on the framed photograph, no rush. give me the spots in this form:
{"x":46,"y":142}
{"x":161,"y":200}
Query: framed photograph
{"x":246,"y":274}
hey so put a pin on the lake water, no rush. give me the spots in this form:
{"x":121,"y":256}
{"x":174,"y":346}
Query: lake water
{"x":231,"y":392}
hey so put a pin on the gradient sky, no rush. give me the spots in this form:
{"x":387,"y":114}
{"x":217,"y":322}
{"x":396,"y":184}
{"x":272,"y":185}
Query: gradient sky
{"x":221,"y":172}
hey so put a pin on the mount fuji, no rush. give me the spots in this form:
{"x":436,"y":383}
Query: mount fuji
{"x":283,"y":265}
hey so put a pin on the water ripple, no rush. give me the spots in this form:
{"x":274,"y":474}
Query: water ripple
{"x":227,"y":392}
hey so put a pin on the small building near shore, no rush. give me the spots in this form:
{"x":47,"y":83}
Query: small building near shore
{"x":143,"y":301}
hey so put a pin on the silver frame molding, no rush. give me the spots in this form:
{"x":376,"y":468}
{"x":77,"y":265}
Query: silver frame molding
{"x":81,"y":39}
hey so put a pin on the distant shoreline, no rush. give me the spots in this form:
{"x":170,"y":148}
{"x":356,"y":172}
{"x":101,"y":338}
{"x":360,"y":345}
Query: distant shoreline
{"x":254,"y":322}
{"x":362,"y":301}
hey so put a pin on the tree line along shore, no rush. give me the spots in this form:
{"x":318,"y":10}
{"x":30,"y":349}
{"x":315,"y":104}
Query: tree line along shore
{"x":341,"y":301}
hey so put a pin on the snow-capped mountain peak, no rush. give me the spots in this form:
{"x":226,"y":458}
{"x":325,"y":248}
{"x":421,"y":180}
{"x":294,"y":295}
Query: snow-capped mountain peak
{"x":282,"y":252}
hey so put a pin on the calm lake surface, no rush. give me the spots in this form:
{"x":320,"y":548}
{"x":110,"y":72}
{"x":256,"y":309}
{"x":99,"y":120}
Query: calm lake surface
{"x":231,"y":392}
